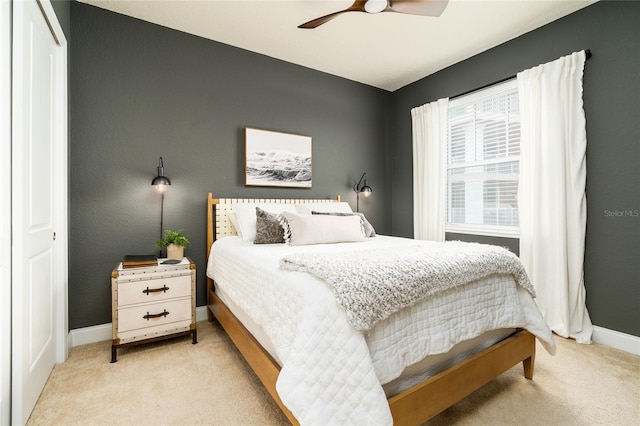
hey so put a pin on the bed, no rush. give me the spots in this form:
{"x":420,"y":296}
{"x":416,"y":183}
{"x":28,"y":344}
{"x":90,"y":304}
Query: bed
{"x":319,"y":367}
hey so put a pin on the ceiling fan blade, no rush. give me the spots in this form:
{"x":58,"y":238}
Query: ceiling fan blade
{"x":419,"y":7}
{"x":357,"y":6}
{"x":323,"y":19}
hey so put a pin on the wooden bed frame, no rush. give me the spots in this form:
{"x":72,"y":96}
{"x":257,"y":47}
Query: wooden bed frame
{"x":414,"y":406}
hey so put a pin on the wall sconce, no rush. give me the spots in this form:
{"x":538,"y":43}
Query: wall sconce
{"x":161,"y":183}
{"x":365,"y":190}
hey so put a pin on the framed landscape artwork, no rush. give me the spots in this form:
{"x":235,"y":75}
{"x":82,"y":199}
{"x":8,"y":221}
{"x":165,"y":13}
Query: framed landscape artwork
{"x":277,"y":159}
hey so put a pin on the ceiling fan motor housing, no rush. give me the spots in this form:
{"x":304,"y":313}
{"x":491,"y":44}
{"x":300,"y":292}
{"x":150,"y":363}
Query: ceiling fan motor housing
{"x":375,"y":6}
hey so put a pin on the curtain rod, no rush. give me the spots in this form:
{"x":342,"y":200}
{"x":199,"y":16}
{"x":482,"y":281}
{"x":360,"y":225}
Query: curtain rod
{"x":587,"y":53}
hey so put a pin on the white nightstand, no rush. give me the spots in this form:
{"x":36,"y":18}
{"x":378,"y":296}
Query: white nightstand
{"x":152,"y":303}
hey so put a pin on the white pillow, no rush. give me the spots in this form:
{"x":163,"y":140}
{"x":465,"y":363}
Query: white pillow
{"x":233,"y":217}
{"x":341,"y":207}
{"x":303,"y":229}
{"x":369,"y":231}
{"x":246,"y":216}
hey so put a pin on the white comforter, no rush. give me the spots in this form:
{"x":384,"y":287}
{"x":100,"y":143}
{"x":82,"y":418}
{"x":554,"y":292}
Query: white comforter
{"x":331,"y":373}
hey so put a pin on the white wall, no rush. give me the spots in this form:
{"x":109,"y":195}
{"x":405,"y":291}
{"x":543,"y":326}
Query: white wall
{"x":5,"y":213}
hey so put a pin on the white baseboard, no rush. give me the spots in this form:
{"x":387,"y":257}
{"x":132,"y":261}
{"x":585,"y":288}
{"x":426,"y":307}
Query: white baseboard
{"x":615,"y":339}
{"x":93,"y":334}
{"x":102,"y":332}
{"x":603,"y":336}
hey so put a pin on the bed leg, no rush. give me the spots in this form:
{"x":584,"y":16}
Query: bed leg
{"x":528,"y":366}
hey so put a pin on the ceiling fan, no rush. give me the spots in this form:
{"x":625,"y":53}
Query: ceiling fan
{"x":410,"y":7}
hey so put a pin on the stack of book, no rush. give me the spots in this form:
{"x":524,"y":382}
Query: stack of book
{"x":139,"y":260}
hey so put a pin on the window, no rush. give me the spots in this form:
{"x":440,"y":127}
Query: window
{"x":483,"y":152}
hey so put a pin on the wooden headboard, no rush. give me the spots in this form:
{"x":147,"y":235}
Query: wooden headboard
{"x":218,"y":211}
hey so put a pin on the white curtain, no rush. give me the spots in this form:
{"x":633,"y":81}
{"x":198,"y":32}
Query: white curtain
{"x":551,"y":196}
{"x":429,"y":123}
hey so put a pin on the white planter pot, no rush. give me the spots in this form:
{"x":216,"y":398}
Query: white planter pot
{"x":175,"y":252}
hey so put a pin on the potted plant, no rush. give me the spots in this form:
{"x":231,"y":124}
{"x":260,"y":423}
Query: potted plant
{"x":175,"y":242}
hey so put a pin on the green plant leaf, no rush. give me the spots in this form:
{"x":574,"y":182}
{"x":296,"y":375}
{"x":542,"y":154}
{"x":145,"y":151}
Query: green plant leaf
{"x":173,"y":237}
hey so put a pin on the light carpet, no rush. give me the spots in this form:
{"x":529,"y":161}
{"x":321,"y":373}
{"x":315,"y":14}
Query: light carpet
{"x":173,"y":382}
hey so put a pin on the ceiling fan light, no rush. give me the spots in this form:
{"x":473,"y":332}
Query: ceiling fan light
{"x":375,"y":6}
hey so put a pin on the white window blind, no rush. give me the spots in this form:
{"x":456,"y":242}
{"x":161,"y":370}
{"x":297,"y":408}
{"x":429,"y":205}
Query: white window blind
{"x":483,"y":152}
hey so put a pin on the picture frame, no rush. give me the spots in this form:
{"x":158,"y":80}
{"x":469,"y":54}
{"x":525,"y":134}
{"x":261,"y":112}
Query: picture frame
{"x":277,"y":159}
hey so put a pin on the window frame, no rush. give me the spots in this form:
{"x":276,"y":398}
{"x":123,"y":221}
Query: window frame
{"x":481,"y":229}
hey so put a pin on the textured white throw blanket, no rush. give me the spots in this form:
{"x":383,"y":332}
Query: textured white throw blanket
{"x":372,"y":285}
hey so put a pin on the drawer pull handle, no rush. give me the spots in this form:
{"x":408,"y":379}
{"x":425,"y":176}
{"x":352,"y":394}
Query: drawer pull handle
{"x":161,"y":314}
{"x":155,"y":290}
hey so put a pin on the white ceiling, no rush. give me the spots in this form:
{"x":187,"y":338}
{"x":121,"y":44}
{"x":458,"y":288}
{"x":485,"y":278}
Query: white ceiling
{"x":385,"y":50}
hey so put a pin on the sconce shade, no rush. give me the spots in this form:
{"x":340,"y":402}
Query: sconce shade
{"x":366,"y":189}
{"x":161,"y":182}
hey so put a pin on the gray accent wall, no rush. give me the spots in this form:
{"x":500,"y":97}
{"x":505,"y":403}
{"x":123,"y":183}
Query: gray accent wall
{"x":611,"y":30}
{"x":62,"y":8}
{"x":141,"y":91}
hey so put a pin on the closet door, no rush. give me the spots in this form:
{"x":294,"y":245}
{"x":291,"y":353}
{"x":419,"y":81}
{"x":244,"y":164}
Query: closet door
{"x":39,"y":136}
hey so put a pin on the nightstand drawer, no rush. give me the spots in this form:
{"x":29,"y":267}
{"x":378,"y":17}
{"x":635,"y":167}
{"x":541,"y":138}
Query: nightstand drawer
{"x":150,"y":291}
{"x":154,"y":314}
